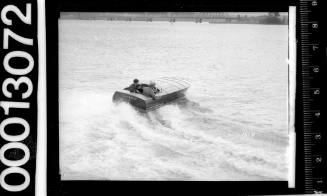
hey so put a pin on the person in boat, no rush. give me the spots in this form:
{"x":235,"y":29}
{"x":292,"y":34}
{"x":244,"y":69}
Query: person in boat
{"x":148,"y":90}
{"x":135,"y":87}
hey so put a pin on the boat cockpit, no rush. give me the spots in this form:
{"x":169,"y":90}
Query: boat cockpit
{"x":140,"y":89}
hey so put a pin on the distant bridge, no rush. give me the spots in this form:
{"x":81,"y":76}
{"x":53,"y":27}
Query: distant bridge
{"x":154,"y":16}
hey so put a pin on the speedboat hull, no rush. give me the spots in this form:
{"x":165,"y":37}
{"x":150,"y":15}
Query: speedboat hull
{"x":170,"y":90}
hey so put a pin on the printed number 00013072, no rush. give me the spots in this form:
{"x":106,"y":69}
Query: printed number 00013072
{"x":10,"y":85}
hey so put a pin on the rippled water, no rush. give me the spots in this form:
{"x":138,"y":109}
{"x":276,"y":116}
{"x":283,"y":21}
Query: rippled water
{"x":232,"y":125}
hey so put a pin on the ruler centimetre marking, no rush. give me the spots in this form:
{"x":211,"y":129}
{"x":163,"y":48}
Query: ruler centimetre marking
{"x":310,"y":71}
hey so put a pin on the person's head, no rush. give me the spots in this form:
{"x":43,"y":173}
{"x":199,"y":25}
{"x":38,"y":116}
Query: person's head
{"x":136,"y":81}
{"x":152,"y":84}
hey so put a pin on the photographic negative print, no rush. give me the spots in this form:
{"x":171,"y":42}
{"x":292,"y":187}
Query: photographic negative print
{"x":186,"y":96}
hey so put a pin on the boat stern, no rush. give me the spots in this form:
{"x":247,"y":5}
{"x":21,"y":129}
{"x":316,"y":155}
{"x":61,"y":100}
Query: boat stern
{"x":131,"y":98}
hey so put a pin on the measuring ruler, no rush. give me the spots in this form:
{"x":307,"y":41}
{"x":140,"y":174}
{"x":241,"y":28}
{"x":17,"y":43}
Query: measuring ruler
{"x":312,"y":57}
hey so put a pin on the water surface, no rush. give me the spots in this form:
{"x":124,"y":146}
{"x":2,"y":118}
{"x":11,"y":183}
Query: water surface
{"x":231,"y":126}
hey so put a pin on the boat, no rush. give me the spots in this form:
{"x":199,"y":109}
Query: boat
{"x":169,"y":89}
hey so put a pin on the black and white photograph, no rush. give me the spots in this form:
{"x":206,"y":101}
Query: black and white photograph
{"x":174,"y":96}
{"x":150,"y":97}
